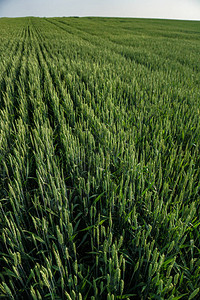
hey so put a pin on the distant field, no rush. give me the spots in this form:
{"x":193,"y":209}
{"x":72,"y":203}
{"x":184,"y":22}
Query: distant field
{"x":99,"y":159}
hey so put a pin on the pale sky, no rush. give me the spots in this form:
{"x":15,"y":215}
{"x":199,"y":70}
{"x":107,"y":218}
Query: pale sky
{"x":168,"y":9}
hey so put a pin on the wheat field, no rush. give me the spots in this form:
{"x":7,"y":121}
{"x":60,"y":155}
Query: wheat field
{"x":99,"y":159}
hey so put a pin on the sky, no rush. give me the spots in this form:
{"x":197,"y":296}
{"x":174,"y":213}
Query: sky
{"x":167,"y":9}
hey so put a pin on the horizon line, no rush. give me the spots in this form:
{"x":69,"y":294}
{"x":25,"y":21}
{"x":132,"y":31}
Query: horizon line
{"x":93,"y":16}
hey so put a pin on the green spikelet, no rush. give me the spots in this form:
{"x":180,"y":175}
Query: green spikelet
{"x":33,"y":293}
{"x":194,"y":294}
{"x":68,"y":296}
{"x":121,"y":286}
{"x":59,"y":236}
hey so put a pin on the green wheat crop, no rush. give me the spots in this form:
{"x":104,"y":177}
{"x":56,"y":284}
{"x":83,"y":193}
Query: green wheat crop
{"x":99,"y":159}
